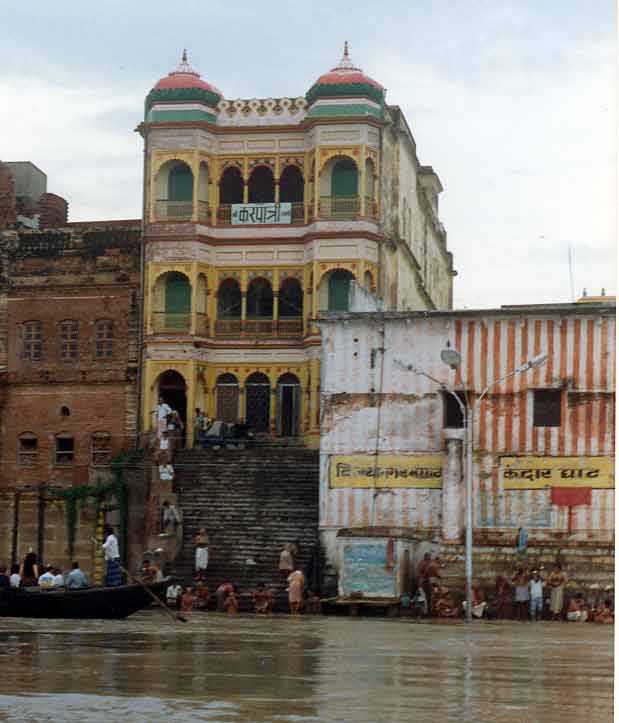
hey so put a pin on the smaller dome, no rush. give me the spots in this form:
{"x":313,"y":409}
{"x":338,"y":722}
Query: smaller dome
{"x":185,"y":77}
{"x":183,"y":85}
{"x":346,"y":80}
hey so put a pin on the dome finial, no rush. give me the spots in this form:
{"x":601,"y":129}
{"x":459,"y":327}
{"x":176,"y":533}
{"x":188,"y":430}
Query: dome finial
{"x":184,"y":57}
{"x":346,"y":48}
{"x":184,"y":67}
{"x":346,"y":63}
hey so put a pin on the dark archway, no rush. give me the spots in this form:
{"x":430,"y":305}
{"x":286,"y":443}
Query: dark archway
{"x":339,"y":286}
{"x":227,"y":393}
{"x":231,"y":186}
{"x":288,"y":405}
{"x":229,"y":300}
{"x":173,"y":389}
{"x":258,"y":402}
{"x":291,"y":185}
{"x":290,"y":299}
{"x":259,"y":299}
{"x":261,"y":185}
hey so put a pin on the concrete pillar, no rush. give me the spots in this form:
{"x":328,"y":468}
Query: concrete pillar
{"x":452,"y":526}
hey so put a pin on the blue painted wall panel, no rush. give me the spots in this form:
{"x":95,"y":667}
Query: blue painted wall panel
{"x":365,"y":569}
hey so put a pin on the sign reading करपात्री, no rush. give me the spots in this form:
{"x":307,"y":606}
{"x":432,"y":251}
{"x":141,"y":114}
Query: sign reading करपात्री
{"x":386,"y":470}
{"x":534,"y":473}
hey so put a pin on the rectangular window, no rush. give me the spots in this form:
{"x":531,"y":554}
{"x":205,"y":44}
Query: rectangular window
{"x":104,"y":339}
{"x":101,"y":449}
{"x":65,"y":451}
{"x":33,"y":346}
{"x":68,"y":340}
{"x":28,"y":450}
{"x":547,"y":408}
{"x":453,"y":417}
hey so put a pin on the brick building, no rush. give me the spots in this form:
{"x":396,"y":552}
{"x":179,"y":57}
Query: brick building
{"x":69,"y":308}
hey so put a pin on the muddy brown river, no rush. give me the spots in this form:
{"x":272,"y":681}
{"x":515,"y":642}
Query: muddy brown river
{"x":306,"y":669}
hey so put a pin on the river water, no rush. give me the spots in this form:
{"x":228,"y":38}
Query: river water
{"x":306,"y":670}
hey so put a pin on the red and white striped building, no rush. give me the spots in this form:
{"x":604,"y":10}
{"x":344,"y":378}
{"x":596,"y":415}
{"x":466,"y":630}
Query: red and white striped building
{"x":391,"y":449}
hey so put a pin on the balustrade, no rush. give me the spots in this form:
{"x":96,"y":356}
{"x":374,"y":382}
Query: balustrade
{"x":173,"y":210}
{"x":165,"y":322}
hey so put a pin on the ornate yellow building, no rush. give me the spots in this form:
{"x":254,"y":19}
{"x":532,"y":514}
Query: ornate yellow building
{"x":258,"y":214}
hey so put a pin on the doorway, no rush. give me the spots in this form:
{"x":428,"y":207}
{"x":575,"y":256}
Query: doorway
{"x":227,"y":386}
{"x":258,"y":402}
{"x":288,"y":405}
{"x":173,"y":389}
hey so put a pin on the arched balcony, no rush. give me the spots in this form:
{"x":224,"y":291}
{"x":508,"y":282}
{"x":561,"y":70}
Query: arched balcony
{"x":290,"y":308}
{"x":229,"y":308}
{"x":291,"y":190}
{"x":339,"y":189}
{"x":171,"y":303}
{"x":174,"y":192}
{"x":259,"y":320}
{"x":230,"y":191}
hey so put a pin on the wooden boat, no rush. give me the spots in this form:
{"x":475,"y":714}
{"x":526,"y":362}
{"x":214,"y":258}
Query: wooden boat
{"x":108,"y":603}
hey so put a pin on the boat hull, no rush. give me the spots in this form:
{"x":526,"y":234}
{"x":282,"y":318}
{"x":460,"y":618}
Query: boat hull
{"x":107,"y":603}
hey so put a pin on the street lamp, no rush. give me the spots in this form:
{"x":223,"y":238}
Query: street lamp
{"x":452,"y":358}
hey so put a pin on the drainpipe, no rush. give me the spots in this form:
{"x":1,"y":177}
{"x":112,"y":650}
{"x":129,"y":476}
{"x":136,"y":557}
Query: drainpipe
{"x":379,"y":350}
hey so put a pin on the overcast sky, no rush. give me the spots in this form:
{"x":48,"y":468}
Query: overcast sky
{"x":512,"y":102}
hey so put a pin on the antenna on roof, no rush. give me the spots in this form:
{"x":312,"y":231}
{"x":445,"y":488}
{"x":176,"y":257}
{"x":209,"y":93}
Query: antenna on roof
{"x":570,"y":265}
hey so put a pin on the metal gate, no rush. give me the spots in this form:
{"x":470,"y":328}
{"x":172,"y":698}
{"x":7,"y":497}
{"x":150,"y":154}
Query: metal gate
{"x":228,"y":402}
{"x":288,"y":409}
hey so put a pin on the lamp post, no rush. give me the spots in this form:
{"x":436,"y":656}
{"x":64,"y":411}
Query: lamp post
{"x":453,"y":359}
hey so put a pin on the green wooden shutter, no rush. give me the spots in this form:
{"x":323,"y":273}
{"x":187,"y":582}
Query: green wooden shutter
{"x":344,"y":179}
{"x":177,"y":295}
{"x":180,"y":184}
{"x":338,"y":291}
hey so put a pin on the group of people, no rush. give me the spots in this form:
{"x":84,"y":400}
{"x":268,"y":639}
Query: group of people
{"x":169,"y":432}
{"x":533,"y":597}
{"x":31,"y":574}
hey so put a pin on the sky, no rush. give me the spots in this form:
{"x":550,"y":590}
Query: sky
{"x":513,"y":102}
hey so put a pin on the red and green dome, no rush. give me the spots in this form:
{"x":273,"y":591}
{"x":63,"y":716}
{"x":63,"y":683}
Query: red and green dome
{"x":346,"y":81}
{"x":183,"y":85}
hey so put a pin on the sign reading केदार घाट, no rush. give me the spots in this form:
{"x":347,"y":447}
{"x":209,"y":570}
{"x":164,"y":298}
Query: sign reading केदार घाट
{"x":386,"y":470}
{"x":260,"y":213}
{"x":534,"y":473}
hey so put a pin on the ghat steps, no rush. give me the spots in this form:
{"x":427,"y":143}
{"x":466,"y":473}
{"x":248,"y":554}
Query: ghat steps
{"x":251,"y":502}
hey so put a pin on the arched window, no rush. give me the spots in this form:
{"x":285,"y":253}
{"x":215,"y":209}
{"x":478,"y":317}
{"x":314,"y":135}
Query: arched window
{"x":104,"y":339}
{"x":180,"y":183}
{"x":64,"y":452}
{"x":290,"y":298}
{"x":101,"y":449}
{"x":291,"y":185}
{"x":259,"y":299}
{"x":229,"y":300}
{"x":177,"y":301}
{"x":68,"y":331}
{"x":261,"y":185}
{"x":339,"y":285}
{"x":344,"y":179}
{"x":227,"y":391}
{"x":231,"y":186}
{"x":32,"y":340}
{"x":28,"y":450}
{"x":203,"y":195}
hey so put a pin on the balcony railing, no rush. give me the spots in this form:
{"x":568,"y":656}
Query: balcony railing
{"x":289,"y":327}
{"x":173,"y":210}
{"x":165,"y":322}
{"x":228,"y":327}
{"x":339,"y":206}
{"x":282,"y":328}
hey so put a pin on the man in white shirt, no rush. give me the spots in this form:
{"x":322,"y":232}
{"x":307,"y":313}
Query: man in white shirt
{"x":113,"y":573}
{"x":46,"y":580}
{"x":173,"y":595}
{"x":536,"y":595}
{"x":162,"y":416}
{"x":15,"y":578}
{"x":58,"y":578}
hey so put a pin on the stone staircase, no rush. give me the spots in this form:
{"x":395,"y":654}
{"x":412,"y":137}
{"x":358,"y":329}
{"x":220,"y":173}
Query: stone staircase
{"x":251,"y":502}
